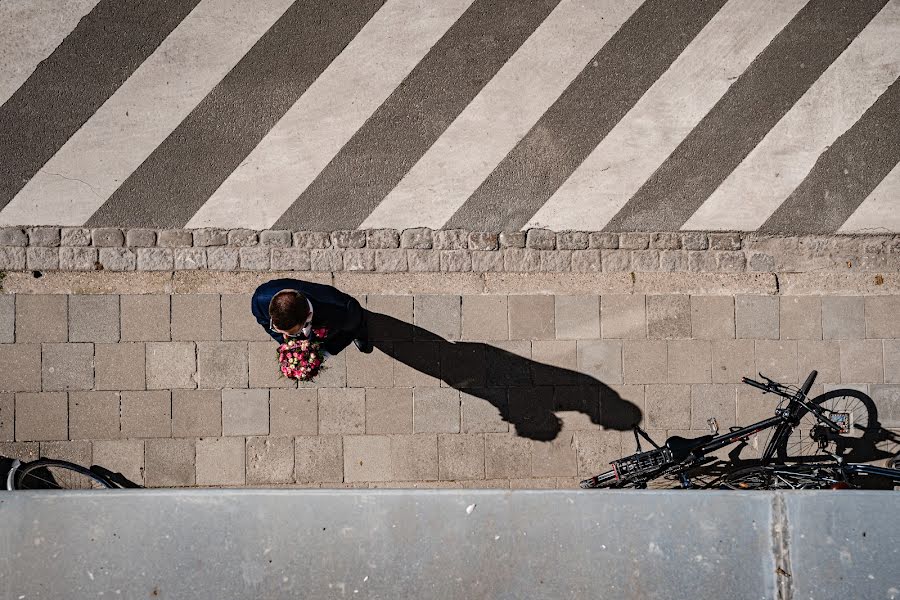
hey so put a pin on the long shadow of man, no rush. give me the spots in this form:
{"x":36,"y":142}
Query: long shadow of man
{"x":528,"y":394}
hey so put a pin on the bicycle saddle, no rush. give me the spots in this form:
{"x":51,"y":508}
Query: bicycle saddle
{"x":680,"y":445}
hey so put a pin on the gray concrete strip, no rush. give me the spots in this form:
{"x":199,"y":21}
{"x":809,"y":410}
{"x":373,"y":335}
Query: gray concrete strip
{"x":213,"y":282}
{"x":841,"y":284}
{"x":421,"y":108}
{"x":846,"y":173}
{"x":200,"y":153}
{"x":605,"y":90}
{"x":409,"y":283}
{"x":100,"y":54}
{"x":97,"y":282}
{"x":754,"y":104}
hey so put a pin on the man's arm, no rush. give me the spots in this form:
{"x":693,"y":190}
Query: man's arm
{"x":259,"y":306}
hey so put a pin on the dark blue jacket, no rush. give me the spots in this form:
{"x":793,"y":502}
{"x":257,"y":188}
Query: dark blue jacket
{"x":338,"y":312}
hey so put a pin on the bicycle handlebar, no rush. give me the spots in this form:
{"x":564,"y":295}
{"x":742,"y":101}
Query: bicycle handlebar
{"x":776,"y":388}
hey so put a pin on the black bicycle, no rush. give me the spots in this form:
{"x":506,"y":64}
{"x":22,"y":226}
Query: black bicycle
{"x":843,"y":422}
{"x":52,"y":474}
{"x":836,"y":475}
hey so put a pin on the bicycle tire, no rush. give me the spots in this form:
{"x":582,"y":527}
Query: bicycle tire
{"x":781,"y":477}
{"x":845,"y":403}
{"x":29,"y":476}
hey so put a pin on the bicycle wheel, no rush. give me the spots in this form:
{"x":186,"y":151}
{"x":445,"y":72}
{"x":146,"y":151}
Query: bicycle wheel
{"x":853,"y":410}
{"x":795,"y":477}
{"x":48,"y":474}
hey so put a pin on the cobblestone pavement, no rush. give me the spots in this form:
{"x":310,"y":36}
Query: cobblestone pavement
{"x":477,"y":390}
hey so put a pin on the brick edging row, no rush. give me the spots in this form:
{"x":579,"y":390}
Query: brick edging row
{"x":426,"y":250}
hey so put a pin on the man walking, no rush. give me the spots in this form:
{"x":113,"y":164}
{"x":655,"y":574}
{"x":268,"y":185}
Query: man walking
{"x":290,"y":309}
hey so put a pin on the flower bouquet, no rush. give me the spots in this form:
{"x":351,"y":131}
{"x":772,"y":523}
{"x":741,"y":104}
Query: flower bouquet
{"x":302,"y":359}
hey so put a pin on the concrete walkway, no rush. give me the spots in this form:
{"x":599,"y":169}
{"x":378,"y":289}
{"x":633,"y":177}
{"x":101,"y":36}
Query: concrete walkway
{"x":475,"y":390}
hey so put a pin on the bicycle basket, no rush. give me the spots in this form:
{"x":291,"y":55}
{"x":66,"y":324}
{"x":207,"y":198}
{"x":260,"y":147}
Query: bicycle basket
{"x":643,"y":463}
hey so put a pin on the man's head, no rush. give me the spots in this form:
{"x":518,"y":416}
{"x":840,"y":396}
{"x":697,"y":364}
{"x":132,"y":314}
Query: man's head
{"x":288,"y":310}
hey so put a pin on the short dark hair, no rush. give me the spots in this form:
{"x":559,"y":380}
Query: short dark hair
{"x":288,"y":308}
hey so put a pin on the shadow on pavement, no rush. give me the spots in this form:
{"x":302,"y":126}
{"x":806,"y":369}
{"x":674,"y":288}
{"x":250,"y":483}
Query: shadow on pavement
{"x":525,"y":392}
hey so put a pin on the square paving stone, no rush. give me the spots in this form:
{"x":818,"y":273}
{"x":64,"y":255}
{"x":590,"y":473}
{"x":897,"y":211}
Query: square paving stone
{"x":196,"y":317}
{"x":41,"y":416}
{"x":668,"y":316}
{"x":342,"y":411}
{"x":368,"y":370}
{"x":732,"y":360}
{"x":645,"y":361}
{"x":389,"y":410}
{"x":843,"y":317}
{"x":436,"y":410}
{"x":94,"y":415}
{"x":554,"y":362}
{"x":120,"y":366}
{"x":171,"y":365}
{"x":222,"y":365}
{"x":24,"y":451}
{"x":94,"y":318}
{"x":577,"y":317}
{"x":416,"y":364}
{"x":42,"y":318}
{"x":712,"y":317}
{"x":508,"y":364}
{"x":67,"y":367}
{"x":220,"y":461}
{"x":461,"y":456}
{"x":319,"y":459}
{"x":367,"y":458}
{"x":270,"y":460}
{"x":21,"y":370}
{"x":238,"y":322}
{"x":623,"y":316}
{"x":414,"y":457}
{"x":801,"y":318}
{"x":892,"y":361}
{"x":121,"y":456}
{"x":332,"y":374}
{"x":196,"y":413}
{"x":293,"y":412}
{"x":594,"y":450}
{"x":169,"y":462}
{"x":716,"y":401}
{"x":668,"y":406}
{"x":437,"y":316}
{"x":506,"y":456}
{"x":881,"y":316}
{"x":822,"y":356}
{"x":862,"y":361}
{"x":265,"y":370}
{"x":756,"y":317}
{"x":7,"y":318}
{"x":78,"y":452}
{"x":145,"y":318}
{"x":7,"y":417}
{"x":777,"y":360}
{"x":482,"y":410}
{"x":245,"y":412}
{"x":601,"y":359}
{"x":578,"y":406}
{"x":485,"y":318}
{"x":554,"y":457}
{"x":463,"y":364}
{"x":390,"y":317}
{"x":752,"y":406}
{"x":689,"y":361}
{"x":887,"y":399}
{"x":146,"y":414}
{"x":532,"y":317}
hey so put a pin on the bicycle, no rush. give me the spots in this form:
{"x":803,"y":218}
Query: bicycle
{"x":46,"y":473}
{"x":841,"y":419}
{"x":838,"y":475}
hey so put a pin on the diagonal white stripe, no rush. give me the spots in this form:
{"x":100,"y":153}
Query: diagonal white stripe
{"x":665,"y":114}
{"x":880,"y":211}
{"x":85,"y":172}
{"x":502,"y":113}
{"x":334,"y":107}
{"x":768,"y":175}
{"x":29,"y":32}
